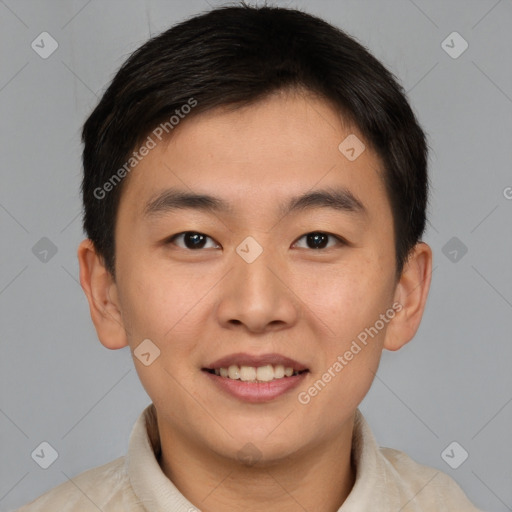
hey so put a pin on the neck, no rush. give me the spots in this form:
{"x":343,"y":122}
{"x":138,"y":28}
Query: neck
{"x":316,"y":478}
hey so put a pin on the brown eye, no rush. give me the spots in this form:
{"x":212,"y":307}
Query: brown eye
{"x":319,"y":240}
{"x":192,"y":240}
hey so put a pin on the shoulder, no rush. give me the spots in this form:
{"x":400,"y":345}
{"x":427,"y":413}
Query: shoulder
{"x":425,"y":487}
{"x":105,"y":488}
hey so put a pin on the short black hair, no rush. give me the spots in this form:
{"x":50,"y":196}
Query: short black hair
{"x":236,"y":56}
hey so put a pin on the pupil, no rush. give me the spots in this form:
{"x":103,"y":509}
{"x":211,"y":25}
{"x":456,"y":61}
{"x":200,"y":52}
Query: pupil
{"x":318,"y":240}
{"x":194,"y":240}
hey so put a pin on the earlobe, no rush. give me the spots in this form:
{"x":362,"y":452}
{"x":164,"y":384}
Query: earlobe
{"x":411,"y":293}
{"x":101,"y":292}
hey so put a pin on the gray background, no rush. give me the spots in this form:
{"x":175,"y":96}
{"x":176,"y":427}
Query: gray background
{"x":452,"y":383}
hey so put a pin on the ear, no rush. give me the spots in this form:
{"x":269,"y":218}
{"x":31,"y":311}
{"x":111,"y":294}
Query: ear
{"x":101,"y":291}
{"x":411,"y":294}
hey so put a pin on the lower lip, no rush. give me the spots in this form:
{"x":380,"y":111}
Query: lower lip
{"x":256,"y":392}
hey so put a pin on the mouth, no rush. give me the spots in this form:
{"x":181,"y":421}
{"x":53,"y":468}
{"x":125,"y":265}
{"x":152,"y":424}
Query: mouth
{"x":256,"y":378}
{"x":253,"y":374}
{"x":266,"y":373}
{"x":261,"y":368}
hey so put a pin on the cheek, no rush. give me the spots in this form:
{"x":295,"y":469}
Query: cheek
{"x":350,"y":354}
{"x":169,"y":306}
{"x":160,"y":308}
{"x":152,"y":302}
{"x":350,"y":301}
{"x":347,"y":298}
{"x":152,"y":297}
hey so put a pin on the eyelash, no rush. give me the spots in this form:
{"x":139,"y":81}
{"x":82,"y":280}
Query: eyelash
{"x":339,"y":240}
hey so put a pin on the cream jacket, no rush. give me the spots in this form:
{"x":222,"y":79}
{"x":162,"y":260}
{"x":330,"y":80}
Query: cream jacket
{"x":386,"y":481}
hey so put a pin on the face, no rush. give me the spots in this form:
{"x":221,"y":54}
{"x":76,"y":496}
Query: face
{"x":281,"y":269}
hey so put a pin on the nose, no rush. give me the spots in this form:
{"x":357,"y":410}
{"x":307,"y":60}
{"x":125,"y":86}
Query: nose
{"x":258,"y":295}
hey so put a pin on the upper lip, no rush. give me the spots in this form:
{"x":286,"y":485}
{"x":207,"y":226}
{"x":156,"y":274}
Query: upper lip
{"x":243,"y":359}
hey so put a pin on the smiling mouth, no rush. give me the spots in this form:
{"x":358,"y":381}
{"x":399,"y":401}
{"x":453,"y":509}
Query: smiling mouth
{"x":253,"y":374}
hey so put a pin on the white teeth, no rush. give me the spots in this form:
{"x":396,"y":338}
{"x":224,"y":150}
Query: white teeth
{"x":233,"y":372}
{"x":265,"y":373}
{"x":247,"y":373}
{"x":255,"y":374}
{"x":278,"y":371}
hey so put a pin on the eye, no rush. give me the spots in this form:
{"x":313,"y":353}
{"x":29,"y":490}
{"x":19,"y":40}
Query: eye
{"x":192,"y":240}
{"x":319,"y":240}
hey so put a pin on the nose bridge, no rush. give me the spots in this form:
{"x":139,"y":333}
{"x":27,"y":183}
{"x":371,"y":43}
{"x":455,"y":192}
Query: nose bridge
{"x":256,"y":295}
{"x":253,"y":266}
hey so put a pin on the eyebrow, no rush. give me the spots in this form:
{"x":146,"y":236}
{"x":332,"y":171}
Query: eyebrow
{"x":340,"y":199}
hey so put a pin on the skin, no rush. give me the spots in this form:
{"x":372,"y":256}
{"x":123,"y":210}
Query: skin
{"x":198,"y":305}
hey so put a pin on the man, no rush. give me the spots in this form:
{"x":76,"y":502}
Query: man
{"x":255,"y":186}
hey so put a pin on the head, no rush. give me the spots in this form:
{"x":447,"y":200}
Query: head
{"x":255,"y":182}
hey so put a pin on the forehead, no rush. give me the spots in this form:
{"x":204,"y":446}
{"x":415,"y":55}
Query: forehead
{"x":252,"y":156}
